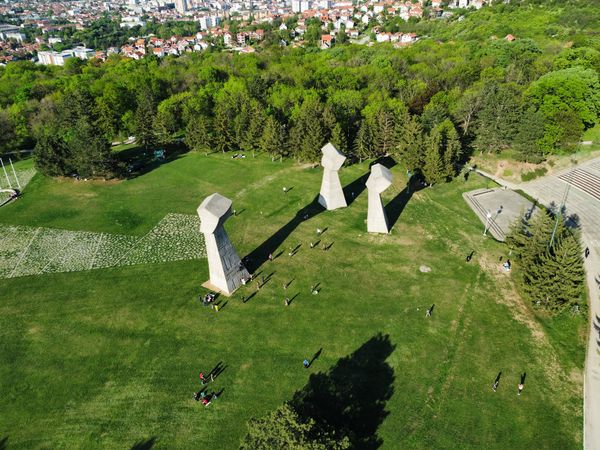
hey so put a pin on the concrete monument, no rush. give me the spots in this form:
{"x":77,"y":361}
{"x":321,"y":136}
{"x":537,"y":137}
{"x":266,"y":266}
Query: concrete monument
{"x":224,"y":265}
{"x":379,"y":180}
{"x":332,"y":194}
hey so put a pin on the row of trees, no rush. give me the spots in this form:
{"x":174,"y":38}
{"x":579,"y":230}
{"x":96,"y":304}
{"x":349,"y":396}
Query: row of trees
{"x":549,"y":263}
{"x":431,"y":103}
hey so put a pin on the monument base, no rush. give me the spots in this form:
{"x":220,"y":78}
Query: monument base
{"x":208,"y":285}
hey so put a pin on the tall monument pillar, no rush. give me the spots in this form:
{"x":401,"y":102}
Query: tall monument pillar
{"x":332,"y":194}
{"x":379,"y":180}
{"x":224,"y":265}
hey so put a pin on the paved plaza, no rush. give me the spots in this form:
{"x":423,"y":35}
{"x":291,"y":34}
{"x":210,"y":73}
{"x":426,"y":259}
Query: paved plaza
{"x":504,"y":207}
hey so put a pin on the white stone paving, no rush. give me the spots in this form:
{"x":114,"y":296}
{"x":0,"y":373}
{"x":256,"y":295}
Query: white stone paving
{"x":37,"y":250}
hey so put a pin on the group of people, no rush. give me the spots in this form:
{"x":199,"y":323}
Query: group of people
{"x":203,"y":395}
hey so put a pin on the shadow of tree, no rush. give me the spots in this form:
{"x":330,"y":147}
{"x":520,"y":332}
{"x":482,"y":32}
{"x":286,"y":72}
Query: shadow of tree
{"x":138,"y":161}
{"x":144,"y":444}
{"x":350,"y":398}
{"x":4,"y":443}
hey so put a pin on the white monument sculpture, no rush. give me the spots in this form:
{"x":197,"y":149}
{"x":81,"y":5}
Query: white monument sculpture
{"x":224,"y":265}
{"x":379,"y":180}
{"x":331,"y":195}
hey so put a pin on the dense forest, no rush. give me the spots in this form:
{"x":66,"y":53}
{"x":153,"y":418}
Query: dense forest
{"x":462,"y":88}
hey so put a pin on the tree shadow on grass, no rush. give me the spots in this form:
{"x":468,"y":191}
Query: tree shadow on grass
{"x":137,"y":161}
{"x":146,"y":444}
{"x":350,"y":398}
{"x":4,"y":443}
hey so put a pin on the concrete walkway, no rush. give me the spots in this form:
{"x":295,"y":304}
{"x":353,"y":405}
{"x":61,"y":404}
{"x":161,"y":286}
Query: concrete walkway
{"x":579,"y":187}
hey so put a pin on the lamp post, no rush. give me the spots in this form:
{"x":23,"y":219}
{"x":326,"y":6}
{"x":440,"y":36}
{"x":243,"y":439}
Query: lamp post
{"x":487,"y":222}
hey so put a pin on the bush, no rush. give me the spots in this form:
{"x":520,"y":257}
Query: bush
{"x":528,"y":176}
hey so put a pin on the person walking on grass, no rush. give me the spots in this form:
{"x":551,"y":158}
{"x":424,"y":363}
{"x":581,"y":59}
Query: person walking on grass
{"x":287,"y":301}
{"x":306,"y":364}
{"x":496,"y":382}
{"x":270,"y":256}
{"x":430,"y":311}
{"x":521,"y":384}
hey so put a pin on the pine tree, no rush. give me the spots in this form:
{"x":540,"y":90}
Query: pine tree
{"x":271,"y":141}
{"x":385,"y":133}
{"x":90,"y":152}
{"x":256,"y":127}
{"x":452,"y":149}
{"x":313,"y":141}
{"x":528,"y":138}
{"x":549,"y":271}
{"x":363,"y":144}
{"x":199,"y":134}
{"x":338,"y":138}
{"x":222,"y":125}
{"x":144,"y":119}
{"x":409,"y":143}
{"x":51,"y":154}
{"x":433,"y":167}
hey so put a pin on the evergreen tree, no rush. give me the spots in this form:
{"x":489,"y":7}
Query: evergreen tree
{"x":451,"y":148}
{"x":498,"y":118}
{"x":90,"y":152}
{"x":384,"y":133}
{"x":308,"y":134}
{"x":434,"y":170}
{"x":271,"y":141}
{"x":338,"y":138}
{"x":256,"y":125}
{"x":530,"y":135}
{"x":549,"y":271}
{"x":7,"y":134}
{"x":144,"y":118}
{"x":222,"y":125}
{"x":199,"y":134}
{"x":409,"y":146}
{"x":51,"y":154}
{"x":363,"y":144}
{"x":69,"y":140}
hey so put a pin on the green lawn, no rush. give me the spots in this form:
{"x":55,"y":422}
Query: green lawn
{"x":110,"y":358}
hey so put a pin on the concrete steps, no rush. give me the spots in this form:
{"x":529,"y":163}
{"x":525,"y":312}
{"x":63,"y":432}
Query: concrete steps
{"x":493,"y":227}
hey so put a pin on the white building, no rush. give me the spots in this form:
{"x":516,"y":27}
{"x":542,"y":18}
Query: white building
{"x":83,"y":53}
{"x":19,"y":37}
{"x":181,"y":6}
{"x":300,"y":6}
{"x":208,"y":22}
{"x":132,"y":21}
{"x":54,"y":58}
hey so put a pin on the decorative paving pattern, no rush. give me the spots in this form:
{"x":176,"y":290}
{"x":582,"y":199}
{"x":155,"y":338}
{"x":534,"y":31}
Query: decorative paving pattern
{"x":35,"y":251}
